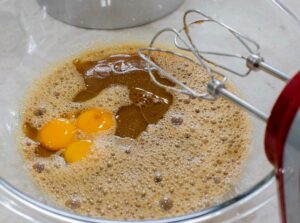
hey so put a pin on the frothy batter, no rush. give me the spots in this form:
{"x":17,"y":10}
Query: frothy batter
{"x":184,"y":159}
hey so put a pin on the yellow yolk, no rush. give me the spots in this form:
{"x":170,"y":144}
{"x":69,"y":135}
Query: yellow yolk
{"x":57,"y":134}
{"x":94,"y":120}
{"x":77,"y":151}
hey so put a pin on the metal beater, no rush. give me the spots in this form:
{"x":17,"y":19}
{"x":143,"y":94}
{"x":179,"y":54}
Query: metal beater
{"x":282,"y":139}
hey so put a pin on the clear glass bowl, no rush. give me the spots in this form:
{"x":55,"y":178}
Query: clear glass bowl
{"x":30,"y":41}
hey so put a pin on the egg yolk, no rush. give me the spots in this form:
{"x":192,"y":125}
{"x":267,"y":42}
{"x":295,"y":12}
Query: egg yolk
{"x":77,"y":151}
{"x":57,"y":134}
{"x":94,"y":120}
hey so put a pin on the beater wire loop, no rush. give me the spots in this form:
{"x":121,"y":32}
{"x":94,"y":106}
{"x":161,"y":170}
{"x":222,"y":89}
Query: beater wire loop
{"x":145,"y":54}
{"x":215,"y":87}
{"x":242,"y":39}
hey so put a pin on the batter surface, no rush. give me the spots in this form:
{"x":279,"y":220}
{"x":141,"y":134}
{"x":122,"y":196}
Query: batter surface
{"x":183,"y":157}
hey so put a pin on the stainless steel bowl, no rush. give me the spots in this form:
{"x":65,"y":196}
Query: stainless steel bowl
{"x":108,"y":14}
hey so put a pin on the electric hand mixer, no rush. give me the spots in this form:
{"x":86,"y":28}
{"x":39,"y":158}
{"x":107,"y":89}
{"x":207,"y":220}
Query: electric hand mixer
{"x":282,"y":136}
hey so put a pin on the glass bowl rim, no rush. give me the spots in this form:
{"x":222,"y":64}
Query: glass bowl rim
{"x":62,"y":214}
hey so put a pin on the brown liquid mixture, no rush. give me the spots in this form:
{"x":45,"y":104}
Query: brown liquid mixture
{"x":150,"y":102}
{"x":168,"y":154}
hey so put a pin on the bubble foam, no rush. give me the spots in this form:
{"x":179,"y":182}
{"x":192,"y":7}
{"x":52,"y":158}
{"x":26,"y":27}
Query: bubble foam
{"x":187,"y":161}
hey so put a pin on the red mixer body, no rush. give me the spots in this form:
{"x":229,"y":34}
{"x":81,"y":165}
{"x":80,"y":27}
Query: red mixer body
{"x":282,"y":144}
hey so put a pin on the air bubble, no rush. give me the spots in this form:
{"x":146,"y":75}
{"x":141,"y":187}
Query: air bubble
{"x":73,"y":203}
{"x":166,"y":203}
{"x":38,"y":167}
